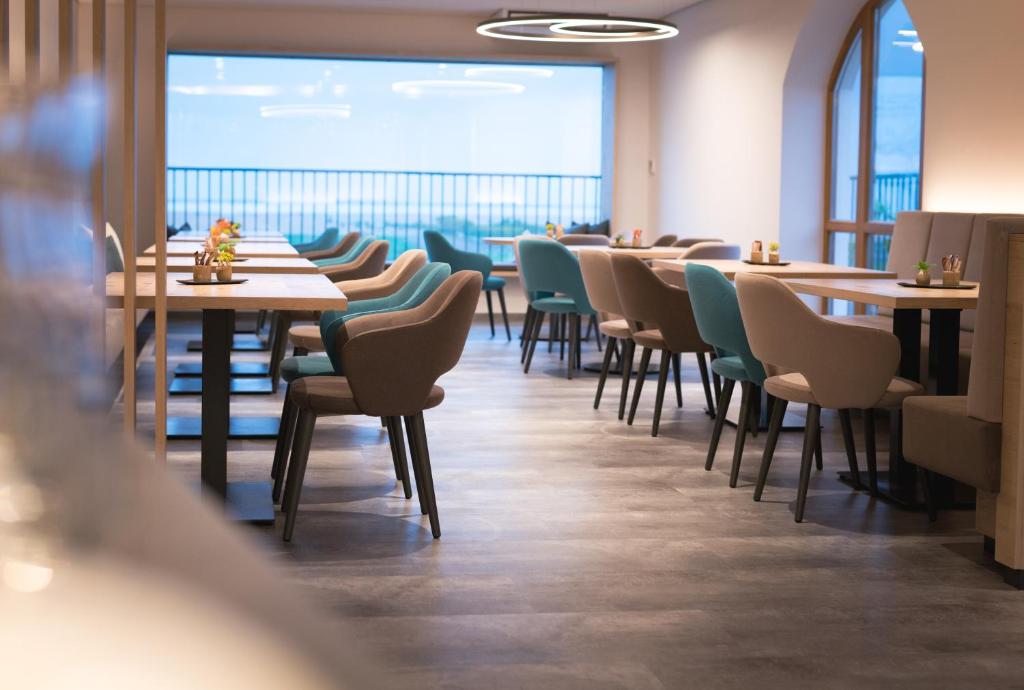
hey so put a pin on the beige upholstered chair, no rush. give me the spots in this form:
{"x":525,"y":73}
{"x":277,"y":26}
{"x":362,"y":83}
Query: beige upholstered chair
{"x":392,"y":362}
{"x":961,"y":436}
{"x":712,"y":250}
{"x":368,"y":264}
{"x":307,"y":336}
{"x":343,"y":245}
{"x":665,"y":241}
{"x":660,"y":317}
{"x":585,"y":240}
{"x":690,"y":241}
{"x":828,"y":364}
{"x":600,"y":283}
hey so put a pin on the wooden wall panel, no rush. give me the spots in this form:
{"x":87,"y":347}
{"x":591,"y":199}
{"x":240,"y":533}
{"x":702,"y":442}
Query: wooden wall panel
{"x":128,"y":211}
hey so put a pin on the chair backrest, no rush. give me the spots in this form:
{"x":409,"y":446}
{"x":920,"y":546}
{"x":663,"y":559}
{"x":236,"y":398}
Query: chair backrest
{"x":358,"y":247}
{"x":985,"y":387}
{"x":847,"y":366}
{"x":440,"y":249}
{"x":327,"y":239}
{"x":649,"y":302}
{"x":690,"y":241}
{"x":394,"y":277}
{"x":393,"y":361}
{"x":596,"y":267}
{"x":712,"y":250}
{"x":585,"y":240}
{"x":717,"y":312}
{"x":547,"y":266}
{"x":413,"y":293}
{"x":665,"y":241}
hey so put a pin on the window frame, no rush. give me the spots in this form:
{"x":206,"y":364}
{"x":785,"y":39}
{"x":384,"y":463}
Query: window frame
{"x":865,"y":26}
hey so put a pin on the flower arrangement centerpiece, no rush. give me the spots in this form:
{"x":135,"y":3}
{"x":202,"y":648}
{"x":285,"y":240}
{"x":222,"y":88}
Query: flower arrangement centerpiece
{"x":225,"y":255}
{"x":924,"y":275}
{"x":620,"y":240}
{"x":223,"y":229}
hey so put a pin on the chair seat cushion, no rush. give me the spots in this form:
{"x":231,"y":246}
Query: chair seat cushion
{"x":938,"y":435}
{"x":615,"y":328}
{"x":794,"y":388}
{"x":650,"y":338}
{"x":294,"y":368}
{"x":307,"y":337}
{"x":555,"y":305}
{"x":333,"y":395}
{"x":494,"y":283}
{"x":730,"y":368}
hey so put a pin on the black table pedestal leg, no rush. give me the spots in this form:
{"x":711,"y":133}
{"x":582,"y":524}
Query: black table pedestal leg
{"x":906,"y":326}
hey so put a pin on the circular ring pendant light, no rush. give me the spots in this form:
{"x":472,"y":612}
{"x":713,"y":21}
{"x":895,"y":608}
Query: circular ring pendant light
{"x":574,"y":28}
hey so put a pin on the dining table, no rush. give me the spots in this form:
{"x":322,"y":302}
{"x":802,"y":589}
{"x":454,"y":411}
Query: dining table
{"x":783,"y":270}
{"x":256,"y":264}
{"x":245,"y":501}
{"x":243,"y":249}
{"x":245,"y":237}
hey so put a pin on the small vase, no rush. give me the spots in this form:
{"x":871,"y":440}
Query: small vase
{"x":224,"y":273}
{"x":757,"y":257}
{"x":951,"y":278}
{"x":773,"y":257}
{"x":202,"y":274}
{"x":923,"y":278}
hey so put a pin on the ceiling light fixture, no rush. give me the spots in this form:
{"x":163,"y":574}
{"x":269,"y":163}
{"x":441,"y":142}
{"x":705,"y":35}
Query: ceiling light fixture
{"x":509,"y":70}
{"x":574,"y":28}
{"x":453,"y":87}
{"x":338,"y":112}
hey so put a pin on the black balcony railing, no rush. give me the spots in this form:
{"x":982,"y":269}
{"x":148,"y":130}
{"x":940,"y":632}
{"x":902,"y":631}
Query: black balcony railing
{"x":393,"y":205}
{"x":891,"y":193}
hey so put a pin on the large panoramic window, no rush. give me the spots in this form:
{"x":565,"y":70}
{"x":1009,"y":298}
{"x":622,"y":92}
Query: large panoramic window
{"x":385,"y":147}
{"x":874,"y":134}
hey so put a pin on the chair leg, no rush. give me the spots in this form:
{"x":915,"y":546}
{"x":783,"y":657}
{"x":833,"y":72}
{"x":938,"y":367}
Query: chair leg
{"x":928,"y":480}
{"x":851,"y":449}
{"x":490,"y":310}
{"x":659,"y":398}
{"x":538,"y":321}
{"x":716,"y":434}
{"x":774,"y":427}
{"x":527,"y":336}
{"x":811,"y":433}
{"x":261,"y":321}
{"x":552,"y":330}
{"x":398,"y":453}
{"x":869,"y":450}
{"x":504,"y":313}
{"x":569,"y":323}
{"x":579,"y":341}
{"x":702,"y":364}
{"x":742,"y":427}
{"x":285,"y":436}
{"x":422,"y":456}
{"x":593,"y":325}
{"x":278,"y":346}
{"x":677,"y":369}
{"x":628,"y":351}
{"x":561,"y":337}
{"x":297,"y":469}
{"x":606,"y":364}
{"x":279,"y":448}
{"x":819,"y":460}
{"x":410,"y":431}
{"x":645,"y":359}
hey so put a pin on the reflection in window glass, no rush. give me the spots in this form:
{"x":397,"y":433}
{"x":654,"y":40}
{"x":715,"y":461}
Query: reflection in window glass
{"x":846,"y":136}
{"x":842,"y":251}
{"x":898,"y":89}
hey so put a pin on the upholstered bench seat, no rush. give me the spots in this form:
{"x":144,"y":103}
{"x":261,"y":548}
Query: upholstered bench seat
{"x":956,"y":445}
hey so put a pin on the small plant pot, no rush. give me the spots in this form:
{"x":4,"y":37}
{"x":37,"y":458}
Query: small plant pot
{"x":773,"y":257}
{"x":224,"y":272}
{"x":923,"y":278}
{"x":757,"y":257}
{"x":951,"y":278}
{"x":202,"y":274}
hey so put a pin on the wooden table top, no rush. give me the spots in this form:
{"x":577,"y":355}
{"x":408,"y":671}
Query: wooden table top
{"x":262,"y":291}
{"x":261,"y":249}
{"x":795,"y":269}
{"x":183,"y":264}
{"x":196,"y":237}
{"x":506,"y":241}
{"x":886,"y":293}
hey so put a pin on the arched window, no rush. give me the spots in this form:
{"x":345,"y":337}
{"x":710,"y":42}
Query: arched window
{"x":873,"y":145}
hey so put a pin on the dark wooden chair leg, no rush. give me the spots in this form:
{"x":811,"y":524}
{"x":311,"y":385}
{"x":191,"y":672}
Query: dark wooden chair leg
{"x":851,"y":450}
{"x":869,"y":450}
{"x":579,"y":341}
{"x":597,"y":331}
{"x":527,"y":337}
{"x":677,"y":370}
{"x":553,"y":331}
{"x":538,"y":321}
{"x":423,"y":458}
{"x":645,"y":359}
{"x":394,"y":425}
{"x":562,"y":335}
{"x":810,"y":440}
{"x":742,"y":427}
{"x":659,"y":398}
{"x":716,"y":433}
{"x":410,"y":431}
{"x":297,"y":469}
{"x":490,"y":310}
{"x":819,"y":460}
{"x":278,"y":346}
{"x":628,"y":351}
{"x":504,"y":313}
{"x":285,"y":436}
{"x":774,"y":428}
{"x":702,"y":364}
{"x":606,"y":364}
{"x":569,"y":324}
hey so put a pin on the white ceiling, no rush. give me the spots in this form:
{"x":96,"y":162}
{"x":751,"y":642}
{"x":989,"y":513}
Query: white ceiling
{"x":484,"y":8}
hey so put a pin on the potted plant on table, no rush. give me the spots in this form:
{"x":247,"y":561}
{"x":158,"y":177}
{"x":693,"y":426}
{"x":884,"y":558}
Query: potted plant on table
{"x":924,"y":276}
{"x":756,"y":252}
{"x":225,"y":255}
{"x":202,"y":270}
{"x":773,"y":252}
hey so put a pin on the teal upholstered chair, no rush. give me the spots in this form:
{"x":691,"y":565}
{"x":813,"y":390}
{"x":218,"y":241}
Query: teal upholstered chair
{"x":412,"y":294}
{"x":554,"y":282}
{"x":440,"y":249}
{"x":361,"y":244}
{"x":327,"y":239}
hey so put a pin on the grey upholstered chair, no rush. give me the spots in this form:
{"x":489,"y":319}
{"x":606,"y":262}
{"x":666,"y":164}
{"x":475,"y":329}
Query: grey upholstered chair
{"x":961,"y":436}
{"x":585,"y":240}
{"x":600,"y":284}
{"x":827,"y":364}
{"x":392,"y":362}
{"x":690,"y":241}
{"x":665,"y":241}
{"x":712,"y":250}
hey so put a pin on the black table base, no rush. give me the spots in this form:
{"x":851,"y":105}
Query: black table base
{"x":240,"y":343}
{"x":239,"y":386}
{"x":257,"y":369}
{"x":248,"y":428}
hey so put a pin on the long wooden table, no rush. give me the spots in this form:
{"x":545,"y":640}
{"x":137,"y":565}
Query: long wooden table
{"x":246,"y":237}
{"x":266,"y":250}
{"x":258,"y":264}
{"x":794,"y":269}
{"x":249,"y":501}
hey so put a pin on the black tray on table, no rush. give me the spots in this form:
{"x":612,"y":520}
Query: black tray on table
{"x":938,"y":285}
{"x":233,"y":281}
{"x":764,"y":263}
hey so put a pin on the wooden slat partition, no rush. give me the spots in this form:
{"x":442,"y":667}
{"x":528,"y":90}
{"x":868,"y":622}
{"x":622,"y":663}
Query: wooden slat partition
{"x":160,"y":223}
{"x":65,"y":38}
{"x":1009,"y":523}
{"x":128,"y":212}
{"x":97,"y":190}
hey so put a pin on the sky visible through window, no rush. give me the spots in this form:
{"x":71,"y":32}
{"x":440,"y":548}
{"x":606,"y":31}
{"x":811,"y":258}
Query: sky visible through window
{"x":499,"y":147}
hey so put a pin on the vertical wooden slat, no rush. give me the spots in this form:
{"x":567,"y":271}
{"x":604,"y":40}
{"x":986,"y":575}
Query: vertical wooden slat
{"x":5,"y":40}
{"x":128,"y":209}
{"x":160,"y":222}
{"x":31,"y":17}
{"x":96,"y":182}
{"x":65,"y":38}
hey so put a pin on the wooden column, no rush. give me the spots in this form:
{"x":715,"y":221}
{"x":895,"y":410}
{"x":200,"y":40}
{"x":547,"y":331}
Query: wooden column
{"x":160,"y":221}
{"x":65,"y":38}
{"x":31,"y":17}
{"x":128,"y":211}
